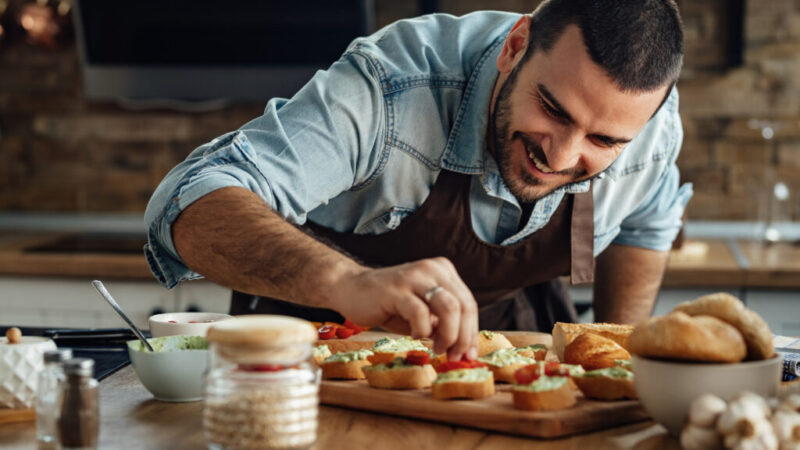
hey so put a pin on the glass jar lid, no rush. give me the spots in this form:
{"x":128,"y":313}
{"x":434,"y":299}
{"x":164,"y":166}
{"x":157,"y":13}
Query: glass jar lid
{"x":261,"y":338}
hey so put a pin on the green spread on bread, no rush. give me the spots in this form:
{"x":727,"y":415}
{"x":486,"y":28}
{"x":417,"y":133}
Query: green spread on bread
{"x":345,"y":357}
{"x":505,"y":357}
{"x":464,"y":375}
{"x":624,"y":363}
{"x":321,"y":351}
{"x":403,"y":344}
{"x":487,"y":334}
{"x":611,"y":372}
{"x":541,"y":384}
{"x":397,"y":363}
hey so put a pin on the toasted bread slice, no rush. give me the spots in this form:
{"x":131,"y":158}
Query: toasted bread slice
{"x":505,"y":374}
{"x":560,"y":398}
{"x":564,"y":333}
{"x":593,"y":351}
{"x":411,"y":377}
{"x":606,"y":388}
{"x":344,"y":370}
{"x":489,"y":341}
{"x":463,"y":389}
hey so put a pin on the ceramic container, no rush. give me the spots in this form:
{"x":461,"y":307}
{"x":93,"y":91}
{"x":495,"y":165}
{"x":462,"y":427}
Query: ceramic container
{"x":667,"y":389}
{"x":184,"y":323}
{"x":19,"y":365}
{"x":170,"y":375}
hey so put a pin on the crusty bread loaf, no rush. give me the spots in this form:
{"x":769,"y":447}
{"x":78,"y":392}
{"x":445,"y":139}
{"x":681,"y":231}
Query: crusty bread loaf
{"x":491,"y":341}
{"x":679,"y":336}
{"x":412,"y":377}
{"x":538,"y":355}
{"x":606,"y":388}
{"x":560,"y":398}
{"x":564,"y":333}
{"x":723,"y":306}
{"x":593,"y":351}
{"x":343,"y":370}
{"x":463,"y":389}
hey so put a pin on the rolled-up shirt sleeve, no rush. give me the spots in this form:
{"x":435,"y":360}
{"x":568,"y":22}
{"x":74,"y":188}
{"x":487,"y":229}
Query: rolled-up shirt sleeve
{"x":298,"y":155}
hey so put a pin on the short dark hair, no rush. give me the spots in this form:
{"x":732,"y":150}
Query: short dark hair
{"x":638,"y":42}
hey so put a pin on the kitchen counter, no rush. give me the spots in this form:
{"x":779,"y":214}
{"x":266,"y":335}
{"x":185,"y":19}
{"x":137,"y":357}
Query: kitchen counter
{"x":132,"y":419}
{"x":700,"y":263}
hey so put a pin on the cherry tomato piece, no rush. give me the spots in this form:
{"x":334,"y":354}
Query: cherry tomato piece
{"x":418,"y":357}
{"x":343,"y":332}
{"x":326,"y":332}
{"x":527,"y":374}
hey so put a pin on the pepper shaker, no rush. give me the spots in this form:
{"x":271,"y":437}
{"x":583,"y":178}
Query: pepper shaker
{"x":79,"y":417}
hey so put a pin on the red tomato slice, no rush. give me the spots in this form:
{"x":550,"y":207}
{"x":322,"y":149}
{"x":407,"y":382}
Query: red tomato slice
{"x":326,"y":332}
{"x":527,"y":374}
{"x":353,"y":326}
{"x":343,"y":332}
{"x":554,"y":369}
{"x":418,"y":357}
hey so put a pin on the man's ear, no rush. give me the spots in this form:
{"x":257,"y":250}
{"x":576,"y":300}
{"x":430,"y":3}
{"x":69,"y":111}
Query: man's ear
{"x":515,"y":45}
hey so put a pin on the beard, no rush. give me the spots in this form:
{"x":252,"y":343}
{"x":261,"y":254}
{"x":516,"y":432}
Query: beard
{"x":522,"y":184}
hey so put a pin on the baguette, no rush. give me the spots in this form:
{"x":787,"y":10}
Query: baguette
{"x":406,"y":377}
{"x":351,"y":370}
{"x":560,"y":398}
{"x":463,"y":389}
{"x":564,"y":333}
{"x":593,"y":351}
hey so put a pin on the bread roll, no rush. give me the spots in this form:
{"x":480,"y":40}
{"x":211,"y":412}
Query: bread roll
{"x":679,"y":336}
{"x":723,"y":306}
{"x":594,"y":352}
{"x":564,"y":333}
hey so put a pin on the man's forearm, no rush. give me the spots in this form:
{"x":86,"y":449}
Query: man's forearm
{"x":234,"y":239}
{"x":627,"y":280}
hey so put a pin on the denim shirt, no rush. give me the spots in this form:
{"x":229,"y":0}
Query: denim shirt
{"x":359,"y":148}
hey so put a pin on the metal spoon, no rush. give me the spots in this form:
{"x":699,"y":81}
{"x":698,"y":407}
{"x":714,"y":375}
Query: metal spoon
{"x":104,"y":292}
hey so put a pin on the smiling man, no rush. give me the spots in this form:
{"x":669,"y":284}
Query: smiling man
{"x":444,"y":173}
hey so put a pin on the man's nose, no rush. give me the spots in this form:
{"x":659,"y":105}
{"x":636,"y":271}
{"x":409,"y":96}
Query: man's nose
{"x":563,"y":151}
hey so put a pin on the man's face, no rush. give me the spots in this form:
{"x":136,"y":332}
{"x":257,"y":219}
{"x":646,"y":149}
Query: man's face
{"x":560,"y":118}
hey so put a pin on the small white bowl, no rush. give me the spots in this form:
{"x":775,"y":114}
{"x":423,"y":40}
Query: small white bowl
{"x":667,"y":388}
{"x":184,"y":323}
{"x":19,"y":364}
{"x":170,"y":375}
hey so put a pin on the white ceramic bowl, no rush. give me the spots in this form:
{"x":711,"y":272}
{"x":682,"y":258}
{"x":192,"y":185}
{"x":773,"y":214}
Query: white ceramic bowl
{"x":19,"y":365}
{"x":184,"y":323}
{"x":667,"y":389}
{"x":171,"y":376}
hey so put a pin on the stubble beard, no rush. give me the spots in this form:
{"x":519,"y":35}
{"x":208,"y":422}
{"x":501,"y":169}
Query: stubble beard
{"x":522,"y":184}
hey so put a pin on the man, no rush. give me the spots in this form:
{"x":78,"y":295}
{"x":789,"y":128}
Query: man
{"x":449,"y":169}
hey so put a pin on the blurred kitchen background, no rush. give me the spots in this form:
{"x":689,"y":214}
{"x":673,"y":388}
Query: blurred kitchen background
{"x":99,"y":99}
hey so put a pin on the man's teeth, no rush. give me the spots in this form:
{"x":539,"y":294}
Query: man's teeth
{"x":539,"y":165}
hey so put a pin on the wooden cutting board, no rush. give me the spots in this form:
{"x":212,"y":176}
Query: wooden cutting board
{"x":495,"y":413}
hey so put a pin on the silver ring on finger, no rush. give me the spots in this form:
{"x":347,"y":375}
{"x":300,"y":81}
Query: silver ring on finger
{"x":432,"y":292}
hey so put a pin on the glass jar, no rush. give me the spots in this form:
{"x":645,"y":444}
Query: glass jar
{"x":261,"y":387}
{"x":48,"y":390}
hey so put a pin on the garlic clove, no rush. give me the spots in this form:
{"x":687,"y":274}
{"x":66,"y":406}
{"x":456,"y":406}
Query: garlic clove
{"x":705,"y":410}
{"x":695,"y":437}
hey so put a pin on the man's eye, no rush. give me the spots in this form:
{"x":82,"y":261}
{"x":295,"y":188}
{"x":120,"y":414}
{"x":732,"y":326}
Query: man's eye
{"x":605,"y":142}
{"x":549,"y":109}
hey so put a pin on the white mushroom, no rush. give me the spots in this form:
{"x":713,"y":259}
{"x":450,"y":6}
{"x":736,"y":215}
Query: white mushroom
{"x":787,"y":429}
{"x":696,"y":437}
{"x":705,"y":410}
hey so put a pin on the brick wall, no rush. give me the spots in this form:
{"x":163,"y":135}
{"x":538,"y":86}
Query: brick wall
{"x":59,"y":152}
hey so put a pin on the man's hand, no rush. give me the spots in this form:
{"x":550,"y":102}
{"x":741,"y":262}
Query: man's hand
{"x":394,"y":298}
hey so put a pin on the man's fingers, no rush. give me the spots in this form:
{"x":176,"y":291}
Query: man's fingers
{"x":416,"y":314}
{"x":448,"y":309}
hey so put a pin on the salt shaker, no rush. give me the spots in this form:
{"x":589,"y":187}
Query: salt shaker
{"x":79,"y":415}
{"x":48,"y":389}
{"x":261,"y":387}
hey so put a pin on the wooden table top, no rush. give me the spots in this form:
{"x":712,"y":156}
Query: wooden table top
{"x":132,"y":419}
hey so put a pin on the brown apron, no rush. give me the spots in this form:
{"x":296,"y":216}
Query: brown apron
{"x":517,"y":286}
